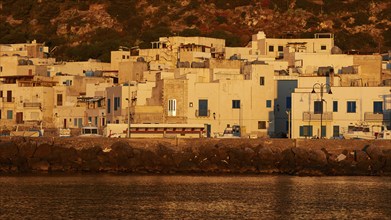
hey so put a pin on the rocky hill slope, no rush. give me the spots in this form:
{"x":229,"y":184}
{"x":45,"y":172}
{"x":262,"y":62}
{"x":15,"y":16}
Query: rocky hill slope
{"x":82,"y":29}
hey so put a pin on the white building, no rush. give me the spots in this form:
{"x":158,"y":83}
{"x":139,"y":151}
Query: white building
{"x":342,"y":107}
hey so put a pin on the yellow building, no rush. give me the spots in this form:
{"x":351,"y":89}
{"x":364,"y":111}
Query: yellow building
{"x":343,"y":107}
{"x":26,"y":100}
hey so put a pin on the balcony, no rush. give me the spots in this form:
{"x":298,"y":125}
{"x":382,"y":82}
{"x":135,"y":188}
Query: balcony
{"x":32,"y":105}
{"x":311,"y":116}
{"x":377,"y":117}
{"x":205,"y":115}
{"x":6,"y":99}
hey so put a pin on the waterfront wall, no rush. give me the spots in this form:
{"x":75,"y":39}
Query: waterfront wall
{"x":210,"y":156}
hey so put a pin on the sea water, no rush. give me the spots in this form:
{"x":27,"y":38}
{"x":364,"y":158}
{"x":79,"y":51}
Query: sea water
{"x":106,"y":196}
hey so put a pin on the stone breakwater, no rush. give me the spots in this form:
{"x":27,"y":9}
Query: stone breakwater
{"x":211,"y":156}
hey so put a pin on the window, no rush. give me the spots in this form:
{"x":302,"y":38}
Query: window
{"x":203,"y":107}
{"x":271,"y":48}
{"x":377,"y":107}
{"x":335,"y":106}
{"x":1,"y":69}
{"x":288,"y":102}
{"x":306,"y":131}
{"x":80,"y":122}
{"x":116,"y":103}
{"x":235,"y":103}
{"x":172,"y":107}
{"x":261,"y":124}
{"x":336,"y":131}
{"x":262,"y":80}
{"x":323,"y":131}
{"x":157,"y":56}
{"x":59,"y":99}
{"x":318,"y":108}
{"x":351,"y":106}
{"x":10,"y":114}
{"x":9,"y":96}
{"x":280,"y":48}
{"x":75,"y":122}
{"x":323,"y":47}
{"x":96,"y":121}
{"x":1,"y":94}
{"x":268,"y":103}
{"x":90,"y":119}
{"x":108,"y":105}
{"x":123,"y":56}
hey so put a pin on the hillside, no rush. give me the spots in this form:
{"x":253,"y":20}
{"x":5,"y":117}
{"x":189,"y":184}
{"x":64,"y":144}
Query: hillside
{"x":82,"y":29}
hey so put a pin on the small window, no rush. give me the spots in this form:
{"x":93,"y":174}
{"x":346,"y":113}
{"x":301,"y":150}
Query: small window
{"x":10,"y":114}
{"x":9,"y":96}
{"x":318,"y":108}
{"x":235,"y":103}
{"x":80,"y":122}
{"x":117,"y":103}
{"x":377,"y":107}
{"x":262,"y":80}
{"x":172,"y":107}
{"x":108,"y":105}
{"x":123,"y":56}
{"x":59,"y":99}
{"x":157,"y":56}
{"x":351,"y":106}
{"x":261,"y":124}
{"x":323,"y":131}
{"x":75,"y":122}
{"x":336,"y":131}
{"x":323,"y":47}
{"x":335,"y":106}
{"x":268,"y":103}
{"x":280,"y":48}
{"x":271,"y":48}
{"x":306,"y":131}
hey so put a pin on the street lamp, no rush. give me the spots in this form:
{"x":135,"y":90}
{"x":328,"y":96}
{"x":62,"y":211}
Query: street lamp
{"x":128,"y":112}
{"x":321,"y":86}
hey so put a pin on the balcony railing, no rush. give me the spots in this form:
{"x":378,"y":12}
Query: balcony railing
{"x":370,"y":116}
{"x":197,"y":114}
{"x":32,"y":105}
{"x":6,"y":99}
{"x":311,"y":116}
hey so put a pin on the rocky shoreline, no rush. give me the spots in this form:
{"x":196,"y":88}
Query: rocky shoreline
{"x":196,"y":156}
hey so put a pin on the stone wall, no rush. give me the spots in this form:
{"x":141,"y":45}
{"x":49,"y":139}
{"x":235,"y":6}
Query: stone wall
{"x":258,"y":156}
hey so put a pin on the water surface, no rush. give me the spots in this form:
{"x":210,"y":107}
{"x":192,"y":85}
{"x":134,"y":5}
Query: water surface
{"x":105,"y":196}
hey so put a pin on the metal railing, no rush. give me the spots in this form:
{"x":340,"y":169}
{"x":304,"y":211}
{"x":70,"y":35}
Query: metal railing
{"x":32,"y":104}
{"x":197,"y":114}
{"x":311,"y":116}
{"x":371,"y":116}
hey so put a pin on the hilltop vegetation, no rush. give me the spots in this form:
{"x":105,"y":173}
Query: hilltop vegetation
{"x":83,"y":29}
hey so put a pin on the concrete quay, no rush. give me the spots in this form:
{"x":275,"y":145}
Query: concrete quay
{"x":196,"y":156}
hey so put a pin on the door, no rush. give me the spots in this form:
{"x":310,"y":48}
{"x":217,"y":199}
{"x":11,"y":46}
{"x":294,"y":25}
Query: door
{"x":65,"y":123}
{"x":203,"y":107}
{"x":19,"y":117}
{"x":208,"y":130}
